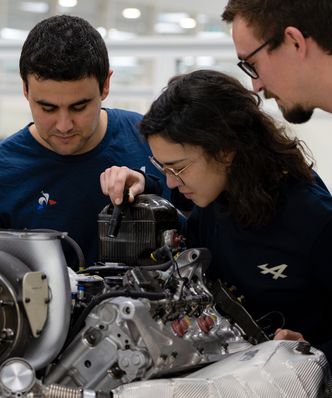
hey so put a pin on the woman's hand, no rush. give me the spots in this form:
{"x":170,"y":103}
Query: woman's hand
{"x":286,"y":334}
{"x":114,"y":179}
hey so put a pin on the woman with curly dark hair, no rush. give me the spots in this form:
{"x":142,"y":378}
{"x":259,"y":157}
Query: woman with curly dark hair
{"x":262,"y":211}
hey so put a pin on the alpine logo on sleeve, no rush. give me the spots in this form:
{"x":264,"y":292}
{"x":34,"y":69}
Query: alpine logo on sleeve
{"x":276,"y":271}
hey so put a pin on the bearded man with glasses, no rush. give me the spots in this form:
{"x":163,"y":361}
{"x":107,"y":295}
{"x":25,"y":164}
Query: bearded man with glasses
{"x":286,"y":48}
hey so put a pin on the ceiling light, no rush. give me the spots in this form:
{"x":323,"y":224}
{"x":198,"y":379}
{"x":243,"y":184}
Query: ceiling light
{"x":39,"y":7}
{"x":205,"y":61}
{"x":188,"y":23}
{"x":131,"y":13}
{"x":14,"y":34}
{"x":67,"y":3}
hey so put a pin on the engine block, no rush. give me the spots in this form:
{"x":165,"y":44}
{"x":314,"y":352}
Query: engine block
{"x":172,"y":328}
{"x":112,"y":326}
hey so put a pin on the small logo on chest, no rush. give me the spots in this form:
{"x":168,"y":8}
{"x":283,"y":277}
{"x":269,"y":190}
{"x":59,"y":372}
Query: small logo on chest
{"x":277,"y":271}
{"x":45,"y":200}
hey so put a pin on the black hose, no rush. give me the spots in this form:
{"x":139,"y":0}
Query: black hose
{"x":158,"y":267}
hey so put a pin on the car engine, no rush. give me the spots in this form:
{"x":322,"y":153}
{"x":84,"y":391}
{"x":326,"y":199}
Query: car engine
{"x":142,"y":312}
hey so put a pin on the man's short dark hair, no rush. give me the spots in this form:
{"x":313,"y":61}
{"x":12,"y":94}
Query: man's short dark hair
{"x":269,"y":18}
{"x":64,"y":48}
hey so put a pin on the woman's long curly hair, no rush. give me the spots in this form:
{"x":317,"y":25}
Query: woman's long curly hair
{"x":211,"y":110}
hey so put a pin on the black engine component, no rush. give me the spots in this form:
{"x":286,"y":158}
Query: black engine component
{"x":141,"y":231}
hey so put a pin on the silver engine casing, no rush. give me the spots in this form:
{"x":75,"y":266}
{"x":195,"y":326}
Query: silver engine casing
{"x":274,"y":369}
{"x":23,"y":256}
{"x":157,"y":324}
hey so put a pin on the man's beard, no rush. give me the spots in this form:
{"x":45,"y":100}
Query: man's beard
{"x":297,"y":114}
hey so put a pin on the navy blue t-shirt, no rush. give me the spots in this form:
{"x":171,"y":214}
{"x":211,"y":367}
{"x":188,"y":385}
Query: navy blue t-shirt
{"x":283,"y":270}
{"x":42,"y":189}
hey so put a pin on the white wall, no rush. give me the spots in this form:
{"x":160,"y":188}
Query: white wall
{"x":317,"y":134}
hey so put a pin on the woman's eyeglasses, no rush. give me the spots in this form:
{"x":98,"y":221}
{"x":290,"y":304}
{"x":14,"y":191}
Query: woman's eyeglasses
{"x":169,"y":170}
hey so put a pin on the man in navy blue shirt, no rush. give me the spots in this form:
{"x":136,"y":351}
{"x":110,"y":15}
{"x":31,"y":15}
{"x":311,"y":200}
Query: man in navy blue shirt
{"x":49,"y":170}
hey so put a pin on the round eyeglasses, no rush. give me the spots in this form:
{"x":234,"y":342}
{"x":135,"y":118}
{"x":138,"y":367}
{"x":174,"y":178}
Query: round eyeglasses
{"x":169,"y":170}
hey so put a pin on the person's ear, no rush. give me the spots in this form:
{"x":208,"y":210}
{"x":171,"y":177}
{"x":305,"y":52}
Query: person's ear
{"x":297,"y":39}
{"x":106,"y":86}
{"x":25,"y":89}
{"x":228,"y":157}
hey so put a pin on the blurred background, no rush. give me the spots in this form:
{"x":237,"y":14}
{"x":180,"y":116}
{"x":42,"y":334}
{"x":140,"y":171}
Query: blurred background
{"x":148,"y":42}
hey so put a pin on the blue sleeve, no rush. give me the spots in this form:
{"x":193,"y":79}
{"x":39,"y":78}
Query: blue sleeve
{"x":319,"y":181}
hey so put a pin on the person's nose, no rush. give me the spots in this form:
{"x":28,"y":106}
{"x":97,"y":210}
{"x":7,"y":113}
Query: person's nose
{"x":257,"y":85}
{"x":172,"y":182}
{"x":64,"y":122}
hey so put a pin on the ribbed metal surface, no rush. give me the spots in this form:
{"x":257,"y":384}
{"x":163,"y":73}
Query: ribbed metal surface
{"x":140,"y":232}
{"x":274,"y":369}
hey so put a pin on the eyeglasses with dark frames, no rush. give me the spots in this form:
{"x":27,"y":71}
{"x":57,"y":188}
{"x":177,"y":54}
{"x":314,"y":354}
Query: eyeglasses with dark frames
{"x":248,"y":68}
{"x":169,"y":170}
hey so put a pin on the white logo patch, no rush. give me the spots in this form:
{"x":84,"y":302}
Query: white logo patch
{"x":276,"y":271}
{"x":43,"y":200}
